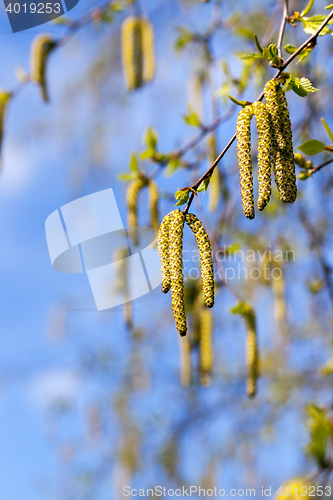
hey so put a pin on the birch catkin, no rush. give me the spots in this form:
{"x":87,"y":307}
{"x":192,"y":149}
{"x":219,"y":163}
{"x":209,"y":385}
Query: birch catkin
{"x":243,"y":133}
{"x":153,"y":204}
{"x":132,"y":205}
{"x":176,"y":270}
{"x":185,"y":361}
{"x":206,"y":345}
{"x":137,"y":43}
{"x":283,"y":156}
{"x":4,"y":99}
{"x":163,"y":251}
{"x":251,"y":352}
{"x":40,"y":49}
{"x":207,"y":273}
{"x":214,"y":184}
{"x":264,"y":153}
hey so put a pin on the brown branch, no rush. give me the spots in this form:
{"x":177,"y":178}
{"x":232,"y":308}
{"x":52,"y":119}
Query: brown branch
{"x":319,"y":167}
{"x":282,"y":27}
{"x":277,"y":75}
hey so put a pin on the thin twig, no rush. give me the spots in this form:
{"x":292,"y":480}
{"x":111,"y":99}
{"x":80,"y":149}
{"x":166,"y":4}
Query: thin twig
{"x":277,"y":75}
{"x":282,"y":27}
{"x":319,"y":167}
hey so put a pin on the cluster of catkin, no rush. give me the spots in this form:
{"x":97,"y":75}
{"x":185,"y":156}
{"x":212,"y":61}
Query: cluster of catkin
{"x":132,"y":197}
{"x":137,"y":46}
{"x":275,"y":150}
{"x":40,"y":50}
{"x":170,"y":248}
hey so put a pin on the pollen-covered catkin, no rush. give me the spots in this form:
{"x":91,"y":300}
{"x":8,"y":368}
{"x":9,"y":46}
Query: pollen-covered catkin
{"x":243,"y":133}
{"x":137,"y":42}
{"x":40,"y":49}
{"x":283,"y":156}
{"x":251,"y":353}
{"x":132,"y":205}
{"x":185,"y":361}
{"x":176,"y":270}
{"x":207,"y":272}
{"x":4,"y":99}
{"x":206,"y":345}
{"x":264,"y":153}
{"x":214,"y":184}
{"x":163,"y":251}
{"x":153,"y":204}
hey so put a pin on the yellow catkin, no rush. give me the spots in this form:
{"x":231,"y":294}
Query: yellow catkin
{"x":243,"y":133}
{"x":206,"y":345}
{"x":207,"y":272}
{"x":185,"y":361}
{"x":214,"y":191}
{"x":176,"y":270}
{"x":264,"y":153}
{"x":137,"y":42}
{"x":40,"y":49}
{"x":132,"y":195}
{"x":251,"y":353}
{"x":163,"y":251}
{"x":4,"y":99}
{"x":153,"y":204}
{"x":121,"y":283}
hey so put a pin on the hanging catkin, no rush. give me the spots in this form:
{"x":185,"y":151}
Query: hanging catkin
{"x":176,"y":270}
{"x":251,"y":352}
{"x":4,"y":99}
{"x":264,"y":153}
{"x":163,"y":251}
{"x":185,"y":361}
{"x":132,"y":206}
{"x":137,"y":42}
{"x":243,"y":133}
{"x":40,"y":49}
{"x":207,"y":272}
{"x":214,"y":184}
{"x":153,"y":204}
{"x":206,"y":345}
{"x":283,"y":156}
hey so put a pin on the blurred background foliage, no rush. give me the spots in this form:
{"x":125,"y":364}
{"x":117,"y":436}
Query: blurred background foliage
{"x":130,"y":412}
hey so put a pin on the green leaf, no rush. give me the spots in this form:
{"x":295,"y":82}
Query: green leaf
{"x":312,"y":147}
{"x":182,"y":196}
{"x":127,"y":177}
{"x":328,"y":130}
{"x":204,"y":185}
{"x":256,"y":41}
{"x":134,"y":165}
{"x":242,"y":308}
{"x":307,"y":8}
{"x":150,"y":139}
{"x":302,"y":55}
{"x":239,"y":103}
{"x":320,"y":431}
{"x":327,"y":368}
{"x":184,"y":38}
{"x":329,"y":6}
{"x":315,"y":286}
{"x":149,"y":153}
{"x":302,"y":176}
{"x":301,"y":86}
{"x":192,"y":118}
{"x":173,"y":165}
{"x":311,"y":24}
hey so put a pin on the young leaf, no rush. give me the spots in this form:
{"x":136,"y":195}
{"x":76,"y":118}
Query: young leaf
{"x":204,"y":185}
{"x":240,"y":103}
{"x":182,"y":196}
{"x":301,"y":86}
{"x":307,"y":8}
{"x":311,"y":24}
{"x":184,"y":38}
{"x":329,"y":6}
{"x":328,"y":130}
{"x":134,"y":165}
{"x":173,"y":165}
{"x":256,"y":41}
{"x":302,"y":176}
{"x":150,"y":139}
{"x":312,"y":147}
{"x":302,"y":55}
{"x":192,"y":118}
{"x":127,"y":176}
